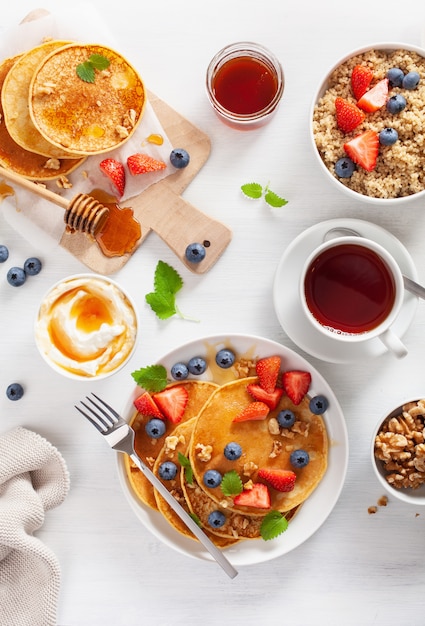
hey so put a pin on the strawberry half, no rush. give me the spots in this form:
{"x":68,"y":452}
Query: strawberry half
{"x":375,"y":98}
{"x":146,"y":406}
{"x":296,"y":383}
{"x":363,"y":149}
{"x":254,"y":411}
{"x":260,"y":394}
{"x":361,"y":77}
{"x":267,"y":370}
{"x":115,"y":171}
{"x":172,"y":402}
{"x":143,"y":163}
{"x":258,"y":497}
{"x":348,"y":116}
{"x":280,"y":479}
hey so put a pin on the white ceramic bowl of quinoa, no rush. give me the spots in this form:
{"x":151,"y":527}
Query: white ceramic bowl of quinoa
{"x":399,"y":174}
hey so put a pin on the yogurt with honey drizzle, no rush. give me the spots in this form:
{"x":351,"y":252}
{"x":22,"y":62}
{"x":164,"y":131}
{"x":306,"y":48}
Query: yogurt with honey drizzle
{"x":86,"y":327}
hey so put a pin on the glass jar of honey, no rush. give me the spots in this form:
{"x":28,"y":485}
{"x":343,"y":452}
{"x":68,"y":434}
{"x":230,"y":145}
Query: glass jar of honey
{"x":245,"y":84}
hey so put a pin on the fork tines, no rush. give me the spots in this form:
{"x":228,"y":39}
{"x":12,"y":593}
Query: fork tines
{"x":103,"y":422}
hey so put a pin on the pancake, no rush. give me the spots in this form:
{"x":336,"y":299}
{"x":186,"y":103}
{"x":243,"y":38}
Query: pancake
{"x":182,"y":433}
{"x":29,"y":164}
{"x":86,"y":117}
{"x":148,"y":449}
{"x":260,"y":448}
{"x":15,"y":95}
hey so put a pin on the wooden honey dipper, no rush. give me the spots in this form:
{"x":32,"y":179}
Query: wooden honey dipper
{"x":83,"y":213}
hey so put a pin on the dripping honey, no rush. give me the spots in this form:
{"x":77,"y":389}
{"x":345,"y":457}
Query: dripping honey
{"x":121,"y":231}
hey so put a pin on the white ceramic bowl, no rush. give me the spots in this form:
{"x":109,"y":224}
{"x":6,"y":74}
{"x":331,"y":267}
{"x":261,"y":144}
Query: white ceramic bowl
{"x":89,"y":325}
{"x":324,"y":84}
{"x":318,"y":505}
{"x":407,"y":495}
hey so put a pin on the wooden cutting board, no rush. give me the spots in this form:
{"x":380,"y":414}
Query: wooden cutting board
{"x":161,"y":208}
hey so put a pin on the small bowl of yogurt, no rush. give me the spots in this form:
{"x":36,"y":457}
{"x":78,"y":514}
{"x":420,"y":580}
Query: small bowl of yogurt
{"x":86,"y":327}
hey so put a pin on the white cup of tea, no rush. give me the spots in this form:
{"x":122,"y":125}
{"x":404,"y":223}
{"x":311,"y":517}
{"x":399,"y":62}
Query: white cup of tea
{"x":351,"y":290}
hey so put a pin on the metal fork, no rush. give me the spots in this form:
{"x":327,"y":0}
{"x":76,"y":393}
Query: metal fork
{"x":120,"y":436}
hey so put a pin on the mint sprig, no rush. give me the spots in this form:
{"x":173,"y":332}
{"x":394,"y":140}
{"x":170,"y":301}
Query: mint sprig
{"x":188,"y":471}
{"x":273,"y":525}
{"x":152,"y":378}
{"x":167,"y":283}
{"x":256,"y":191}
{"x":231,"y":484}
{"x":87,"y":70}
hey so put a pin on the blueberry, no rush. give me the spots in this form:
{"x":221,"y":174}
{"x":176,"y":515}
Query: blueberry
{"x":225,"y":358}
{"x":411,"y":80}
{"x":179,"y":158}
{"x":216,"y":519}
{"x":396,"y":103}
{"x":299,"y":458}
{"x":155,"y":428}
{"x":232,"y":451}
{"x":344,"y":167}
{"x":318,"y":405}
{"x":15,"y":391}
{"x":195,"y":252}
{"x":16,"y":276}
{"x":212,"y":478}
{"x":197,"y":365}
{"x":395,"y":76}
{"x":4,"y":254}
{"x":167,"y":470}
{"x":286,"y":418}
{"x":388,"y":136}
{"x":179,"y":371}
{"x":32,"y":266}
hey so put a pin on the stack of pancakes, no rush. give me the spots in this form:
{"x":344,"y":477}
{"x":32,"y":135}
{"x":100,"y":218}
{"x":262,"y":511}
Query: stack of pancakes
{"x":52,"y":120}
{"x":205,"y":430}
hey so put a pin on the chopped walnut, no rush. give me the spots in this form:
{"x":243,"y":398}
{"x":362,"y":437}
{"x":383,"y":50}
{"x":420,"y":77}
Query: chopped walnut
{"x":46,"y":89}
{"x":383,"y":501}
{"x":172,"y":441}
{"x":276,"y":449}
{"x":203,"y":452}
{"x":400,"y":445}
{"x":249,"y":468}
{"x":372,"y":509}
{"x":248,"y":485}
{"x":244,"y":368}
{"x":63,"y":182}
{"x":121,"y":131}
{"x":301,"y":428}
{"x":150,"y":461}
{"x":52,"y":164}
{"x":129,"y":120}
{"x":273,"y":426}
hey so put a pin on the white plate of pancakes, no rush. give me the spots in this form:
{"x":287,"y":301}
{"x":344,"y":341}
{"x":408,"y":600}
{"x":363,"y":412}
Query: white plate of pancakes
{"x":309,"y":514}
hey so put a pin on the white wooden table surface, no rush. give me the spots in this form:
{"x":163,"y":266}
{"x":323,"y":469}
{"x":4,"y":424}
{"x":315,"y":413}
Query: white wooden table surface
{"x":357,"y":568}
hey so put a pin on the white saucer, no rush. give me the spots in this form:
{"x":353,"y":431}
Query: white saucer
{"x":287,"y":304}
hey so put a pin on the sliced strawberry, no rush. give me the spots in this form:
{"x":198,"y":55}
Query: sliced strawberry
{"x":172,"y":402}
{"x":363,"y":149}
{"x":375,"y":98}
{"x":296,"y":383}
{"x":115,"y":171}
{"x":258,"y":497}
{"x":146,"y":406}
{"x":143,"y":163}
{"x":282,"y":480}
{"x":254,"y":411}
{"x":348,"y":116}
{"x":361,"y":77}
{"x":260,"y":394}
{"x":268,"y":371}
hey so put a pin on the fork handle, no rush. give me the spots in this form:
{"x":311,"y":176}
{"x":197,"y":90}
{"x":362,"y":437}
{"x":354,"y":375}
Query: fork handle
{"x":185,"y":517}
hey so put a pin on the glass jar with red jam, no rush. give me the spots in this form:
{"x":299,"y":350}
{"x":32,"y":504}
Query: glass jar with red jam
{"x":245,"y":84}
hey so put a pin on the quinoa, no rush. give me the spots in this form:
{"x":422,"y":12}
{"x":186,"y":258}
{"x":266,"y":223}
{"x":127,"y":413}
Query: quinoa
{"x":400,"y":168}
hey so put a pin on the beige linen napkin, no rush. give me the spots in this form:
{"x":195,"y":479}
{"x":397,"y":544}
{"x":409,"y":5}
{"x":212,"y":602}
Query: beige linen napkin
{"x":33,"y":479}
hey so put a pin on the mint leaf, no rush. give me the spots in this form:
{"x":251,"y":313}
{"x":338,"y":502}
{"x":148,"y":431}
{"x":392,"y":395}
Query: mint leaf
{"x":188,"y":471}
{"x":85,"y":71}
{"x":99,"y":62}
{"x":252,"y":190}
{"x":274,"y":200}
{"x":152,"y":378}
{"x":162,"y":304}
{"x":167,"y":279}
{"x":273,"y":525}
{"x":231,"y":484}
{"x":196,"y":519}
